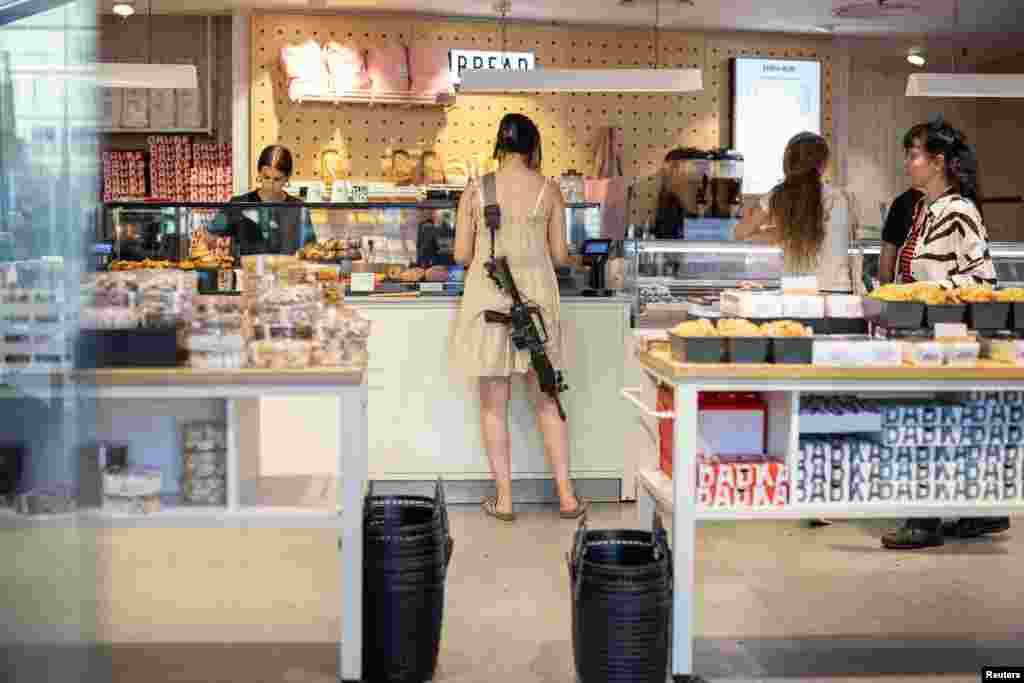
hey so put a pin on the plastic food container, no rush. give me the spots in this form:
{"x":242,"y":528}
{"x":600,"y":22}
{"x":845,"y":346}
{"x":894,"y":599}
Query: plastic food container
{"x":1018,"y":316}
{"x":697,"y":349}
{"x":792,"y":350}
{"x":746,"y":349}
{"x":991,"y":315}
{"x":946,"y":313}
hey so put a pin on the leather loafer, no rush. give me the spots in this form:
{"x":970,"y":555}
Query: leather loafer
{"x":911,"y":538}
{"x":973,"y":527}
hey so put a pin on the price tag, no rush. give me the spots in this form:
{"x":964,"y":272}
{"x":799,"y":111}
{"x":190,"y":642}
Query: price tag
{"x":435,"y":287}
{"x":950,"y":330}
{"x":800,"y":285}
{"x":362,"y":282}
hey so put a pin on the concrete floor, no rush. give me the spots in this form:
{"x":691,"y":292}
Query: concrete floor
{"x":777,"y":601}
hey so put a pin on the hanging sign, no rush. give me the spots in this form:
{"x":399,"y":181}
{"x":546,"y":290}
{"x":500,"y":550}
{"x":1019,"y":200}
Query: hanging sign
{"x":460,"y":60}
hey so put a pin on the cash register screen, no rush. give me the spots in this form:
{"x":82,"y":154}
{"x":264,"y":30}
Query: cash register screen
{"x":596,"y":247}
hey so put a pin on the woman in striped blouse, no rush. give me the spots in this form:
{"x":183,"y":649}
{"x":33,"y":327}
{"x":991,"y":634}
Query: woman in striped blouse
{"x":948,"y":244}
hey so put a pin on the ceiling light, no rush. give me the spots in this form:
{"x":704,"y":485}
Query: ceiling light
{"x":487,"y":81}
{"x":965,"y":85}
{"x":118,"y":75}
{"x":124,"y":9}
{"x":917,"y":57}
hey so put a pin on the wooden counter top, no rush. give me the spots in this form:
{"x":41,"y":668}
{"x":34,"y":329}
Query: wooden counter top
{"x":178,"y":377}
{"x":986,"y":370}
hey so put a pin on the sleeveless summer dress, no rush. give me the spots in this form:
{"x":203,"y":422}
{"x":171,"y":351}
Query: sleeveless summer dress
{"x":482,"y":349}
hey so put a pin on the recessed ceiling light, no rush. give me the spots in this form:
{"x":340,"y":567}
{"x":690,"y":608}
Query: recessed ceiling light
{"x":124,"y":9}
{"x":916,"y":56}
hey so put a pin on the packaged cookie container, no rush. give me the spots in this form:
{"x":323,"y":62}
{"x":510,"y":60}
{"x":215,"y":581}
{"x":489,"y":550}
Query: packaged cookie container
{"x":205,"y":436}
{"x":132,"y":481}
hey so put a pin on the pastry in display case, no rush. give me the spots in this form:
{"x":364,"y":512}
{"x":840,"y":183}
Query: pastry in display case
{"x":407,"y":243}
{"x":675,"y":276}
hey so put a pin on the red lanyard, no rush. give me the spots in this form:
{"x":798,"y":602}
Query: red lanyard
{"x":911,"y":244}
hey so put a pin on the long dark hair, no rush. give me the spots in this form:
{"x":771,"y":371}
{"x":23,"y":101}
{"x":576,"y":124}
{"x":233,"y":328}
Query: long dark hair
{"x":517,"y":134}
{"x":796,"y":204}
{"x":277,"y":157}
{"x":938,"y":137}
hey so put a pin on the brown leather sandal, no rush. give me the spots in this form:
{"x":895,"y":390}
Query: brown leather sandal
{"x":490,"y":506}
{"x":580,"y":511}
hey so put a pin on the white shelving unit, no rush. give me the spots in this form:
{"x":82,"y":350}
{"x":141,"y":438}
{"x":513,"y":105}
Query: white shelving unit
{"x":347,"y":386}
{"x":782,"y":385}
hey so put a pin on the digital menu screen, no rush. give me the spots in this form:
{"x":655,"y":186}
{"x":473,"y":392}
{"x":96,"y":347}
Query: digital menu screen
{"x":773,"y":100}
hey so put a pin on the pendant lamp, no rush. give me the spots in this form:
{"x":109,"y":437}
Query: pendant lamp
{"x":653,"y":80}
{"x":964,"y":85}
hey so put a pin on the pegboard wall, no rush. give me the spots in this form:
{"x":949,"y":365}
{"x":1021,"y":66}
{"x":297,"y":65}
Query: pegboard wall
{"x":570,"y":123}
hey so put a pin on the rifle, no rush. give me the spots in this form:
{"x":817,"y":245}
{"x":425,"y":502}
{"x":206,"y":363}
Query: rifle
{"x":525,"y":321}
{"x":527,"y":330}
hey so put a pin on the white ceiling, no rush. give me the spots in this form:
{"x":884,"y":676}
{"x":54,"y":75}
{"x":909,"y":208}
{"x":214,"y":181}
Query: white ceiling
{"x":791,"y":16}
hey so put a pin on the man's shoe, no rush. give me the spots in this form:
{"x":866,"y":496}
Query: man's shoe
{"x":911,"y":538}
{"x":973,"y":527}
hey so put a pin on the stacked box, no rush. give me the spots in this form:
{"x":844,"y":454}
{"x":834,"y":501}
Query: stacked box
{"x":170,"y":160}
{"x":204,"y":470}
{"x":210,"y":179}
{"x":124,"y":175}
{"x":971,"y":452}
{"x":740,"y":483}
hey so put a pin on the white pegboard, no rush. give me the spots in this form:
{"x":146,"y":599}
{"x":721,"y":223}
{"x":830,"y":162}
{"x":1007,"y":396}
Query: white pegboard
{"x":570,"y":123}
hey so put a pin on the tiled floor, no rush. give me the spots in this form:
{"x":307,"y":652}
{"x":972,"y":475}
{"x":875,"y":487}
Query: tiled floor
{"x":776,"y":601}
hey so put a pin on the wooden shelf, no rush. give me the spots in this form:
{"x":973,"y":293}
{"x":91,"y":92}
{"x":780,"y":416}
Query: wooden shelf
{"x":188,"y":377}
{"x":440,"y":100}
{"x":660,"y":488}
{"x":986,"y":370}
{"x":156,"y":131}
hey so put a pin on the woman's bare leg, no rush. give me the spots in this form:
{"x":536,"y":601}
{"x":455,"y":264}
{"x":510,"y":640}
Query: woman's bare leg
{"x":494,"y":396}
{"x":555,"y":433}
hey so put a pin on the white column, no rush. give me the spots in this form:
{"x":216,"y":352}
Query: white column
{"x":240,"y":85}
{"x":842,"y":65}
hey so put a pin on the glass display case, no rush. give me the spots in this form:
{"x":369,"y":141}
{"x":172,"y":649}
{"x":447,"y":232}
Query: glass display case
{"x":674,"y":272}
{"x":403,"y":243}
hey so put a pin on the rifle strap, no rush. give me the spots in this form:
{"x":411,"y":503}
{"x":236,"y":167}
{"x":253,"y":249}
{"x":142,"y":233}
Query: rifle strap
{"x":488,"y":197}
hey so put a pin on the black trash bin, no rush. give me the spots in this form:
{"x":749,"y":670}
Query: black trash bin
{"x":621,"y":582}
{"x":12,"y":463}
{"x":406,"y":551}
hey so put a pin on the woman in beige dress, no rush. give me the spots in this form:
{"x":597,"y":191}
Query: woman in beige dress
{"x":532,"y":238}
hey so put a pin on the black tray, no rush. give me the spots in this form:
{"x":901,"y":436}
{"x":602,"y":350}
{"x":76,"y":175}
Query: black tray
{"x":906,"y":315}
{"x":945,"y":313}
{"x":746,"y":349}
{"x":991,"y":315}
{"x":141,"y":348}
{"x":847,"y":326}
{"x":792,"y":350}
{"x":697,"y":349}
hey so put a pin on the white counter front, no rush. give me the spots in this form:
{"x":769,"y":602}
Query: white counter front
{"x":424,"y":420}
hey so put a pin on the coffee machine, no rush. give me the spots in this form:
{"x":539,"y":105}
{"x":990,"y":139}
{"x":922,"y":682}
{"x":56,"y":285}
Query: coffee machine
{"x":726,"y":184}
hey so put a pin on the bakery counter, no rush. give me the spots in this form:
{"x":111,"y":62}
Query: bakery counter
{"x":424,"y":419}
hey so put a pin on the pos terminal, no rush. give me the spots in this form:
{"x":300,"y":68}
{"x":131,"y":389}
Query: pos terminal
{"x":595,"y":255}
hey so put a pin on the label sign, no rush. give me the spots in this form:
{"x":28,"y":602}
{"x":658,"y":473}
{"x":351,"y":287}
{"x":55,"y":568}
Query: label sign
{"x":362,"y":282}
{"x":476,"y":60}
